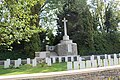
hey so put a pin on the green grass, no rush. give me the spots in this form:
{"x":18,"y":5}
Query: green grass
{"x":28,"y":69}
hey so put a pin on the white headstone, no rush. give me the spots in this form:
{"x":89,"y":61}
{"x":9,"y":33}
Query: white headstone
{"x":109,"y":56}
{"x":119,"y":54}
{"x":80,"y":59}
{"x":69,"y":65}
{"x":46,"y":59}
{"x":16,"y":63}
{"x":115,"y":61}
{"x":100,"y":63}
{"x":92,"y":58}
{"x":34,"y":62}
{"x":82,"y":65}
{"x":19,"y":61}
{"x":111,"y":62}
{"x":28,"y":60}
{"x":94,"y":64}
{"x":119,"y":60}
{"x":105,"y":56}
{"x":49,"y":63}
{"x":72,"y":58}
{"x":54,"y":59}
{"x":6,"y":65}
{"x":88,"y":63}
{"x":115,"y":56}
{"x":98,"y":57}
{"x":105,"y":61}
{"x":8,"y":61}
{"x":66,"y":58}
{"x":77,"y":58}
{"x":60,"y":59}
{"x":76,"y":65}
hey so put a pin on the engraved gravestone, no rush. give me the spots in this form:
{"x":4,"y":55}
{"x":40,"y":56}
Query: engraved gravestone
{"x":88,"y":64}
{"x":49,"y":62}
{"x":8,"y":62}
{"x":28,"y":60}
{"x":6,"y":65}
{"x":82,"y":65}
{"x":17,"y":63}
{"x":34,"y":62}
{"x":69,"y":65}
{"x":76,"y":65}
{"x":60,"y":59}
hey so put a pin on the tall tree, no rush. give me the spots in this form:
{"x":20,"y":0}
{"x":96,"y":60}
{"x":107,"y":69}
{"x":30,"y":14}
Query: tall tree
{"x":80,"y":27}
{"x":93,"y":28}
{"x":19,"y":20}
{"x":106,"y":18}
{"x":20,"y":26}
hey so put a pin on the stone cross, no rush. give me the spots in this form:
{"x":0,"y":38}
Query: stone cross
{"x":65,"y":28}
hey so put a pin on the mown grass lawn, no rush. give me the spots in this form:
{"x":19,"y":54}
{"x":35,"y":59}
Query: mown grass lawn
{"x":28,"y":69}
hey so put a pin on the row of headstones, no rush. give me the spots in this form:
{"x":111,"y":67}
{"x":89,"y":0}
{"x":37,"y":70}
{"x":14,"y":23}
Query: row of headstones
{"x":18,"y":62}
{"x":65,"y":58}
{"x":92,"y":63}
{"x":60,"y":59}
{"x":55,"y":59}
{"x":51,"y":60}
{"x":78,"y":58}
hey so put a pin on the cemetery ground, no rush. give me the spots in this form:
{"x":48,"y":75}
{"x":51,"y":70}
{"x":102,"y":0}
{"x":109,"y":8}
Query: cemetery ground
{"x":28,"y":69}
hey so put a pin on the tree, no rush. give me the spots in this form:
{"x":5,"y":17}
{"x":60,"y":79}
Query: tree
{"x":93,"y":27}
{"x":20,"y":27}
{"x":49,"y":20}
{"x":80,"y":27}
{"x":106,"y":15}
{"x":106,"y":19}
{"x":19,"y":20}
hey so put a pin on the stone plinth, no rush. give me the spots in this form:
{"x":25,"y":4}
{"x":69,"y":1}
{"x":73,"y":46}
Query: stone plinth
{"x":65,"y":37}
{"x":66,"y":47}
{"x":43,"y":54}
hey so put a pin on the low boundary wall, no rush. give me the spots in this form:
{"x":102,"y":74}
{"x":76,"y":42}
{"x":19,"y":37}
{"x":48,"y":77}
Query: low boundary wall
{"x":83,"y":74}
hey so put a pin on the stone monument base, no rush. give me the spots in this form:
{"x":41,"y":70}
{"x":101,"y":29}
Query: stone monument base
{"x":42,"y":54}
{"x":66,"y":47}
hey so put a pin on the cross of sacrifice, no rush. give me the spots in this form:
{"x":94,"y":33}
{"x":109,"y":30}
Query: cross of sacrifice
{"x":65,"y":28}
